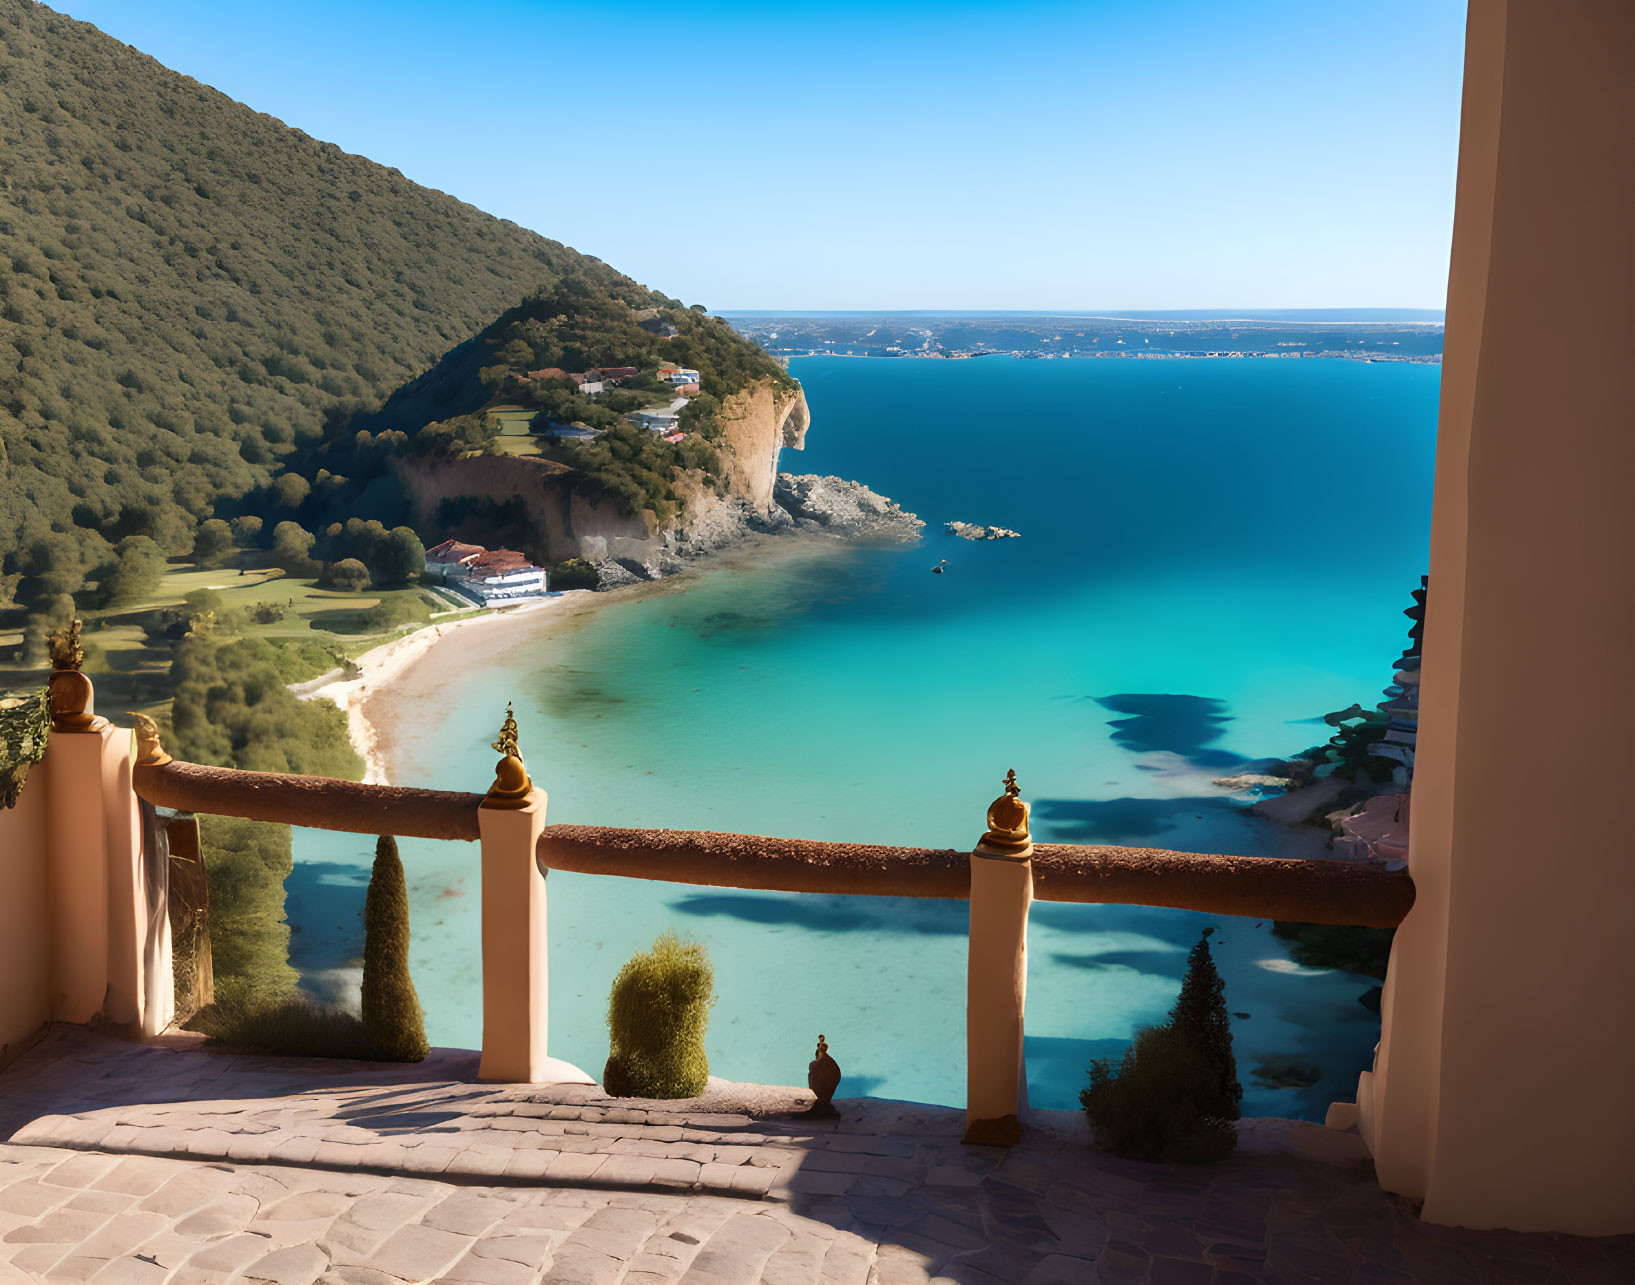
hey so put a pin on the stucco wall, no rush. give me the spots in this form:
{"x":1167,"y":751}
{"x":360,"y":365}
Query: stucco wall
{"x":1501,"y":1089}
{"x":25,"y":949}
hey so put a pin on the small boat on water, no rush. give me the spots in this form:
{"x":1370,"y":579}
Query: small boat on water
{"x":940,"y":567}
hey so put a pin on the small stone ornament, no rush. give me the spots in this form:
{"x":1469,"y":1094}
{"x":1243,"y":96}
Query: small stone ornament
{"x":823,"y":1078}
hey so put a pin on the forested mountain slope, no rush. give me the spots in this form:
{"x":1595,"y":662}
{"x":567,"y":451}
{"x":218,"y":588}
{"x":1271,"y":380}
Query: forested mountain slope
{"x":189,"y":291}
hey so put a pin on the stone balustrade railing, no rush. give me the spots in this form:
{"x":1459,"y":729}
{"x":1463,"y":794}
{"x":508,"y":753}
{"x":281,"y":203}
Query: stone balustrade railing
{"x":1000,"y":878}
{"x":1322,"y":892}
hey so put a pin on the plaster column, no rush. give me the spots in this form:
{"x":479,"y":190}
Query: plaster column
{"x":77,"y":874}
{"x":997,"y":974}
{"x":1500,"y":1093}
{"x":514,"y":964}
{"x":127,"y":906}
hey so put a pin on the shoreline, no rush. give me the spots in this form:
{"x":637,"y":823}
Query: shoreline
{"x":373,"y":732}
{"x":381,"y":666}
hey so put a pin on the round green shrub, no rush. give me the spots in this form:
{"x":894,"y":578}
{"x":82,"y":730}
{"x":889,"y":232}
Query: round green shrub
{"x":656,"y":1015}
{"x":1155,"y":1106}
{"x":391,"y":1010}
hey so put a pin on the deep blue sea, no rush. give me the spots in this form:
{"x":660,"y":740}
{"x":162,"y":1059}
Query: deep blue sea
{"x":1214,"y":553}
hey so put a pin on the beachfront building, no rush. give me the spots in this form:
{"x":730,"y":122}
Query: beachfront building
{"x":660,"y":421}
{"x":450,"y":559}
{"x":588,"y":383}
{"x":615,"y":374}
{"x":499,"y":576}
{"x":489,"y":576}
{"x":681,"y":375}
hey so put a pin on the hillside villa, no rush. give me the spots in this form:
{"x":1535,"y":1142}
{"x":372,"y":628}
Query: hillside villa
{"x":660,"y":421}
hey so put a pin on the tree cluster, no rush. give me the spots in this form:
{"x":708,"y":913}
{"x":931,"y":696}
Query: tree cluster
{"x":231,"y":707}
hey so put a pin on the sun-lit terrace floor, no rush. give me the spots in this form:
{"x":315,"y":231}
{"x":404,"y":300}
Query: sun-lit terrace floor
{"x":143,"y":1164}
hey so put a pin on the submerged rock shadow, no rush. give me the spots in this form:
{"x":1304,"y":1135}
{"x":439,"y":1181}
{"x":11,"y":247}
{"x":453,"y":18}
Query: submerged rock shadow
{"x":832,"y":914}
{"x":1123,"y":820}
{"x":1170,"y":722}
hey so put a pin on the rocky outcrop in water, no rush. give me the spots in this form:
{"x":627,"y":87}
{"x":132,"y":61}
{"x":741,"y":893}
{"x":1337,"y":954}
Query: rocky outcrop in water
{"x":971,"y":531}
{"x":849,"y":510}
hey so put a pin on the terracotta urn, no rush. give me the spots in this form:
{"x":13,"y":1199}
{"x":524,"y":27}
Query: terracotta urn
{"x":823,"y":1078}
{"x":72,"y":700}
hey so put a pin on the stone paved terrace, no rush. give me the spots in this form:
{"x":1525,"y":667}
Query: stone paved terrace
{"x":131,"y":1163}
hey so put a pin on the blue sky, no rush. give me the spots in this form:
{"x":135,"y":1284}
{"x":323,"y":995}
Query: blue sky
{"x":1167,"y":154}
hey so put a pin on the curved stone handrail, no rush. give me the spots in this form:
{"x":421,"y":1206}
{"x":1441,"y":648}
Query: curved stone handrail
{"x":1320,"y":892}
{"x":319,"y":802}
{"x":1323,"y":892}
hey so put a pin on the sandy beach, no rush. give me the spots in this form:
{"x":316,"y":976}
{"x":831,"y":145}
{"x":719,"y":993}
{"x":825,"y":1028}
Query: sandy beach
{"x":386,"y":704}
{"x":385,"y":665}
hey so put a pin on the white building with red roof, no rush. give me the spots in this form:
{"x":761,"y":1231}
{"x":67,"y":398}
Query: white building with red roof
{"x":443,"y":560}
{"x":492,"y":577}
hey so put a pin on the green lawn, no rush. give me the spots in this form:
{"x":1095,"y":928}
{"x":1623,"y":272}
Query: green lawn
{"x":132,"y":674}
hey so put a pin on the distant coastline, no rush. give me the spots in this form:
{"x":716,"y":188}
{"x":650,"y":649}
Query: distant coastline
{"x":1415,"y":359}
{"x":1355,"y":335}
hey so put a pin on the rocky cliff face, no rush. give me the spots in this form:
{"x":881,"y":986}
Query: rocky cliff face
{"x":758,"y":424}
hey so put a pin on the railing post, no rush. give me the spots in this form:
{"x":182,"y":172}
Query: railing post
{"x":997,"y":976}
{"x":77,"y":849}
{"x":106,"y":955}
{"x":516,"y":979}
{"x":515,"y":976}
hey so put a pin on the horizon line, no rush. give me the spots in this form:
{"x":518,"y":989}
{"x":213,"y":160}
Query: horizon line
{"x":1437,"y":315}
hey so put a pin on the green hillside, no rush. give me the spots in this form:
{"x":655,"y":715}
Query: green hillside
{"x":190,"y":292}
{"x":575,"y":325}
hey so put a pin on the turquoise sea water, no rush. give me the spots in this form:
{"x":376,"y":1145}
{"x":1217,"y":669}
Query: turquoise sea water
{"x":1213,"y":553}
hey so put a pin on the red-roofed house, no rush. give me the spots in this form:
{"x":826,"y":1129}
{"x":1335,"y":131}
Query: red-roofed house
{"x":500,"y":576}
{"x":451,"y":558}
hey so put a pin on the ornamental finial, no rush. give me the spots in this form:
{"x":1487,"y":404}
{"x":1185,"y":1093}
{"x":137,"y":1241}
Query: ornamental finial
{"x":507,"y":744}
{"x":149,"y":752}
{"x":73,"y":698}
{"x":1008,"y":821}
{"x":511,"y":788}
{"x":66,"y":652}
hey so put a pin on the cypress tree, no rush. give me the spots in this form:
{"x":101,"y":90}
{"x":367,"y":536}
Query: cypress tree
{"x":1200,"y":1016}
{"x":391,"y":1009}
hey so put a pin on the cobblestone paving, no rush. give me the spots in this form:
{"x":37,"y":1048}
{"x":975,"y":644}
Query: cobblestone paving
{"x":133,"y":1163}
